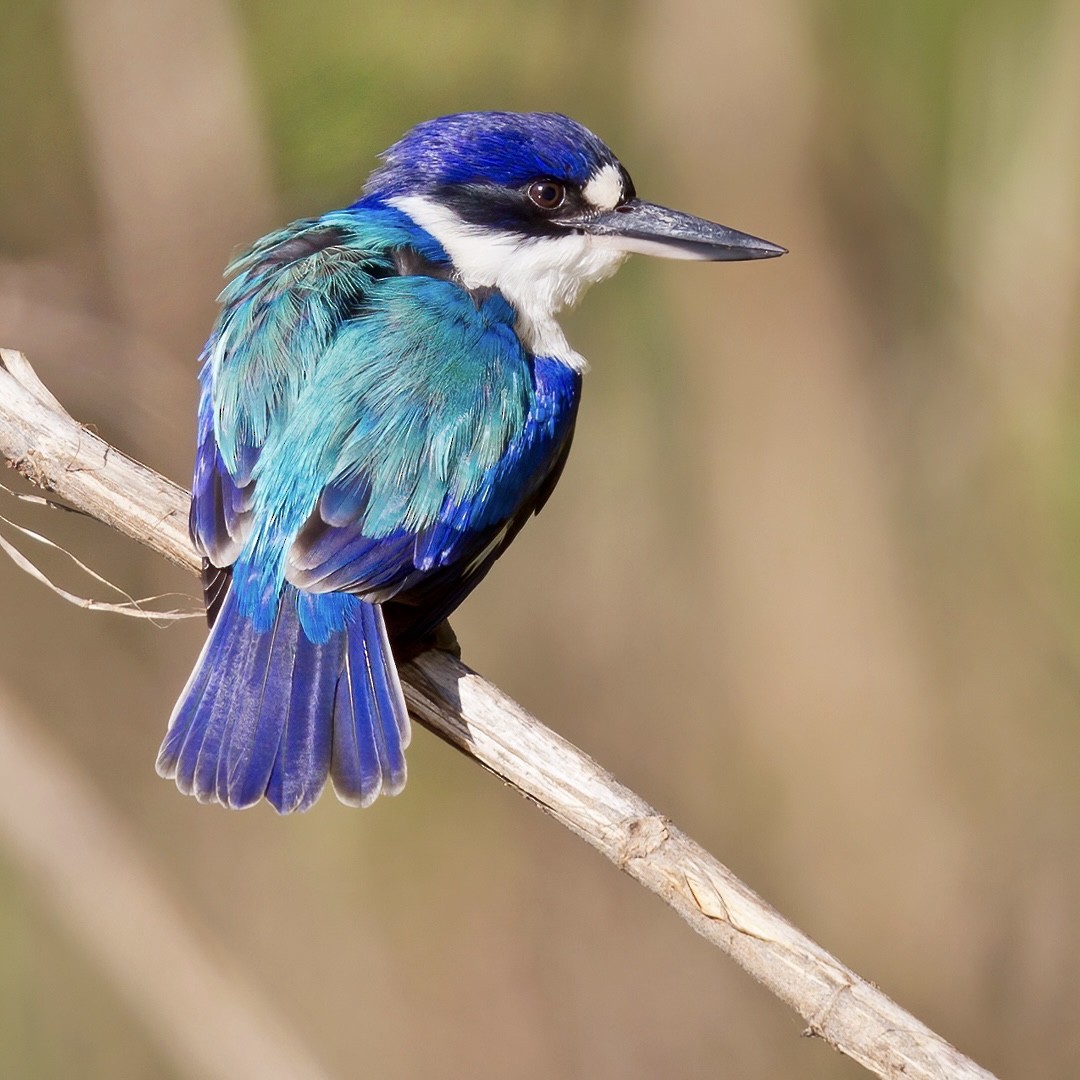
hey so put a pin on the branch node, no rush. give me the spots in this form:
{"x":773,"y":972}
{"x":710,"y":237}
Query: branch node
{"x":642,"y":837}
{"x":818,"y":1023}
{"x":33,"y":467}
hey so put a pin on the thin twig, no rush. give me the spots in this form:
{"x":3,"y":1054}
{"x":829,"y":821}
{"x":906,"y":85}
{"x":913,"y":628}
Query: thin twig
{"x":131,"y":607}
{"x":56,"y":453}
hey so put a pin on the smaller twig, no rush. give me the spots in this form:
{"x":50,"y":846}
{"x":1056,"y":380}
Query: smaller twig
{"x":131,"y":607}
{"x":42,"y":500}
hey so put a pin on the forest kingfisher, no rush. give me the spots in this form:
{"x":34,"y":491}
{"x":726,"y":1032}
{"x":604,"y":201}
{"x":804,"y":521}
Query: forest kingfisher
{"x":386,"y":399}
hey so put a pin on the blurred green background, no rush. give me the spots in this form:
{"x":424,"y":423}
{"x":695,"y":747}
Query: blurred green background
{"x":810,"y":584}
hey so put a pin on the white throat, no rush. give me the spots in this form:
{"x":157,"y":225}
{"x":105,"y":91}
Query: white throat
{"x":539,"y":277}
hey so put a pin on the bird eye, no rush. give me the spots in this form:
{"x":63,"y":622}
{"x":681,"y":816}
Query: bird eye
{"x":547,"y":194}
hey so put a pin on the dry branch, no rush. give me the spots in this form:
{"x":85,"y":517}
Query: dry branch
{"x":53,"y":451}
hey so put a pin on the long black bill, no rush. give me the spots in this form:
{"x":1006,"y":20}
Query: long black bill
{"x":655,"y":230}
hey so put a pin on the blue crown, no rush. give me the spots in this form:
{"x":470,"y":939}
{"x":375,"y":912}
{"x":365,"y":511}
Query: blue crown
{"x":502,"y":148}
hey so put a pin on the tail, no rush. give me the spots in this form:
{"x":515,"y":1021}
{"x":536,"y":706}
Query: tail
{"x":273,"y":713}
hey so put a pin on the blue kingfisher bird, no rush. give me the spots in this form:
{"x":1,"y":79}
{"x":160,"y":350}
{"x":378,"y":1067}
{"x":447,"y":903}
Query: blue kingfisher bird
{"x":386,"y":399}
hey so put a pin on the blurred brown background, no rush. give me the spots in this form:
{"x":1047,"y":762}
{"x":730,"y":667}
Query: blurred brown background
{"x":811,"y":583}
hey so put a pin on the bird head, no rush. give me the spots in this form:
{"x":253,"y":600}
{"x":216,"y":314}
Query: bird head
{"x":536,"y":206}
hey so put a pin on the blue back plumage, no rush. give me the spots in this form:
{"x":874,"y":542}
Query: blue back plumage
{"x":371,"y":437}
{"x":288,"y":298}
{"x":410,"y":408}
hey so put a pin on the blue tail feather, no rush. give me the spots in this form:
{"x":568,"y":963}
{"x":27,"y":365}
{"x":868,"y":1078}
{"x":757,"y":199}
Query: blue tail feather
{"x":246,"y":714}
{"x":298,"y":769}
{"x":385,"y":689}
{"x":291,"y":691}
{"x":354,"y":762}
{"x":204,"y":709}
{"x":369,"y":751}
{"x":273,"y":713}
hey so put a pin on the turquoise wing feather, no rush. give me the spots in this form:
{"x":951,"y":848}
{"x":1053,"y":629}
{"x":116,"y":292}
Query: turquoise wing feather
{"x":363,"y":428}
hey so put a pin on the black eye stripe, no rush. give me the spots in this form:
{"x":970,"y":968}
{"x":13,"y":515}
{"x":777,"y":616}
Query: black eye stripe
{"x":510,"y":209}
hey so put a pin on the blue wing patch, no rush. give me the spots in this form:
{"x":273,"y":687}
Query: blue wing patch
{"x":221,"y":498}
{"x":383,"y":434}
{"x":425,"y":574}
{"x":287,"y":299}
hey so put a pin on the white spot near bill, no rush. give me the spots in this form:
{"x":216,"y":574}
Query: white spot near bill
{"x":605,"y":188}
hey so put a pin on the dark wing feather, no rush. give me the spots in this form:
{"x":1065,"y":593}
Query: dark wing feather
{"x":427,"y":569}
{"x":286,"y":301}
